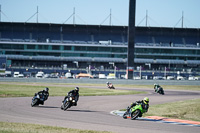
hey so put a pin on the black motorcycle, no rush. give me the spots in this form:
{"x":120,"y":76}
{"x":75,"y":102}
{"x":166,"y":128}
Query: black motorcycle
{"x":38,"y":99}
{"x":68,"y":102}
{"x":160,"y":91}
{"x":110,"y":86}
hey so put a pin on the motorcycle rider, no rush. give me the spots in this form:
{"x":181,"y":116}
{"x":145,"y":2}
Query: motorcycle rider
{"x":156,"y":87}
{"x":74,"y":93}
{"x":109,"y":84}
{"x":45,"y":93}
{"x":144,"y":103}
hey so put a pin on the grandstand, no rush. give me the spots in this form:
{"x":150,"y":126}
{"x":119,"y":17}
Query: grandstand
{"x":50,"y":46}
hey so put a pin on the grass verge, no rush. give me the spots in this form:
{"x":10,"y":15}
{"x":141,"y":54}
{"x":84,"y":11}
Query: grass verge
{"x":173,"y":87}
{"x":28,"y":90}
{"x":186,"y":110}
{"x":6,"y":127}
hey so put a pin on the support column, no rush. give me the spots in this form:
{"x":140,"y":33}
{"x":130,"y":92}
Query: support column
{"x":131,"y":39}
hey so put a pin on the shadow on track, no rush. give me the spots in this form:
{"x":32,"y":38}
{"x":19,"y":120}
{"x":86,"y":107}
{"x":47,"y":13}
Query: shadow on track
{"x":144,"y":119}
{"x":46,"y":107}
{"x":82,"y":110}
{"x":147,"y":120}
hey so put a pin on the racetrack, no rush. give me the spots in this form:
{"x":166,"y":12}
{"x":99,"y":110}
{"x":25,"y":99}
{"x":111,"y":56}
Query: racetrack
{"x":93,"y":112}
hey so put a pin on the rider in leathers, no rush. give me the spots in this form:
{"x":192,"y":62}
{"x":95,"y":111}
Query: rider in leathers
{"x":156,"y":87}
{"x":74,"y":93}
{"x":144,"y":103}
{"x":45,"y":93}
{"x":109,"y":84}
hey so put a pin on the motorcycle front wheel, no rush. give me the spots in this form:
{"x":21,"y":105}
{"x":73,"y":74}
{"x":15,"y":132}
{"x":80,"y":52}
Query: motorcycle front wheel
{"x":135,"y":114}
{"x":66,"y":106}
{"x":125,"y":115}
{"x":34,"y":102}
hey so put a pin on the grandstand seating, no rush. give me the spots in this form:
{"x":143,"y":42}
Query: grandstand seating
{"x":82,"y":34}
{"x":48,"y":46}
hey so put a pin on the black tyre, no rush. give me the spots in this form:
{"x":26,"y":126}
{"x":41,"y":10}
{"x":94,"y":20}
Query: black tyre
{"x":34,"y":102}
{"x":135,"y":114}
{"x":66,"y":106}
{"x":61,"y":107}
{"x":162,"y":91}
{"x":125,"y":115}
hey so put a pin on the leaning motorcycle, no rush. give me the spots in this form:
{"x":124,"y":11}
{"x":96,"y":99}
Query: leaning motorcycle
{"x":161,"y":91}
{"x":68,"y":102}
{"x":111,"y":86}
{"x":38,"y":99}
{"x":134,"y":112}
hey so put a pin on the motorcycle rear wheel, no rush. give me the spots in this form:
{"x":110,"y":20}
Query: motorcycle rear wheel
{"x":162,"y":92}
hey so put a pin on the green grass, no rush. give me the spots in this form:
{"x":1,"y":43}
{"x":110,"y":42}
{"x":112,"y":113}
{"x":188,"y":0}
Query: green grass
{"x":182,"y":87}
{"x":20,"y":89}
{"x":6,"y":127}
{"x":186,"y":110}
{"x":29,"y":89}
{"x":174,"y":87}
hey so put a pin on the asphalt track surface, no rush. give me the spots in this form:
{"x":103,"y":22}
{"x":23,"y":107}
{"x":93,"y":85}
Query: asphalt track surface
{"x":93,"y":112}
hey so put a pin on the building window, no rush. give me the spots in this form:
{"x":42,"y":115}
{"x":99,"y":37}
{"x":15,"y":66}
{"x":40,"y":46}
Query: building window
{"x":55,"y":47}
{"x":67,"y":48}
{"x":30,"y":46}
{"x":43,"y":47}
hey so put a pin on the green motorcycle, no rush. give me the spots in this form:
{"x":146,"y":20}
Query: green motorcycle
{"x":134,"y":112}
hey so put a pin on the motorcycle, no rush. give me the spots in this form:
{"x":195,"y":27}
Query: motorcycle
{"x":160,"y":91}
{"x":110,"y":86}
{"x":134,"y":112}
{"x":68,"y":102}
{"x":38,"y":99}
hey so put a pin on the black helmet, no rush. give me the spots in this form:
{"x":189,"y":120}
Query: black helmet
{"x":47,"y":89}
{"x":76,"y":89}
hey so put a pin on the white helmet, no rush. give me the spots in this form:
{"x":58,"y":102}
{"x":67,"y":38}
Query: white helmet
{"x":155,"y":84}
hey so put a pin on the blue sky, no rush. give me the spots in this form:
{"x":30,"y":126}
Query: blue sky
{"x":162,"y":13}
